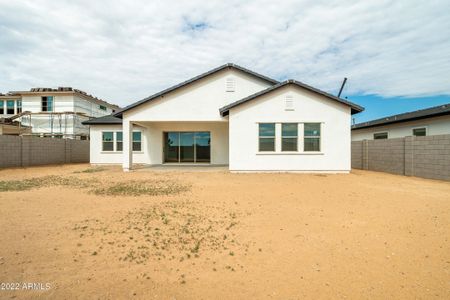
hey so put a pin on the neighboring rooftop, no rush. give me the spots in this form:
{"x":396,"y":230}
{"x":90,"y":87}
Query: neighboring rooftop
{"x":61,"y":90}
{"x":354,"y":107}
{"x":109,"y":119}
{"x":435,"y":111}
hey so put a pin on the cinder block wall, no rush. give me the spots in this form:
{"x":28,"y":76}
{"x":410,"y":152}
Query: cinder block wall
{"x":427,"y":156}
{"x":387,"y":155}
{"x":10,"y":151}
{"x":431,"y":157}
{"x":357,"y":155}
{"x":17,"y":151}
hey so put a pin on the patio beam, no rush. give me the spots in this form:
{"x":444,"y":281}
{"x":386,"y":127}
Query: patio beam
{"x":127,"y":145}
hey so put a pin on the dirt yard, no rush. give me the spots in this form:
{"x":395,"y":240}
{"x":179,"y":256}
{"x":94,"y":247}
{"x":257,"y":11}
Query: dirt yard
{"x":79,"y":232}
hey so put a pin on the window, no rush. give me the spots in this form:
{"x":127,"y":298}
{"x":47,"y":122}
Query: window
{"x":419,"y":131}
{"x":137,"y":141}
{"x":289,"y":136}
{"x":19,"y":106}
{"x":10,"y":107}
{"x":311,"y":137}
{"x":107,"y":141}
{"x":289,"y":102}
{"x":230,"y":85}
{"x":380,"y":135}
{"x":102,"y":107}
{"x":47,"y":103}
{"x":2,"y":107}
{"x":267,"y":137}
{"x":119,"y":141}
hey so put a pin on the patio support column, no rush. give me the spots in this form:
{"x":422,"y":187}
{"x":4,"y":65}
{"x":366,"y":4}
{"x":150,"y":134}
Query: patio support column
{"x":127,"y":145}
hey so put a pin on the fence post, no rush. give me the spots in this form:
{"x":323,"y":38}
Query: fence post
{"x":68,"y":150}
{"x":25,"y":151}
{"x":365,"y":155}
{"x":409,"y":155}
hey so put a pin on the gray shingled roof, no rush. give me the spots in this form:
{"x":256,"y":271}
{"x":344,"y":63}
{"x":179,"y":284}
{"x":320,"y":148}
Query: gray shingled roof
{"x":229,"y":65}
{"x":355,"y":108}
{"x":109,"y":119}
{"x":435,"y":111}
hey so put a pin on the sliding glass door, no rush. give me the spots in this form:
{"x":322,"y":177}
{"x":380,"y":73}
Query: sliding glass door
{"x":172,"y":146}
{"x":187,"y":147}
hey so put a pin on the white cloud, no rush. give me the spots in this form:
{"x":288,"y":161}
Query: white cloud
{"x":123,"y":52}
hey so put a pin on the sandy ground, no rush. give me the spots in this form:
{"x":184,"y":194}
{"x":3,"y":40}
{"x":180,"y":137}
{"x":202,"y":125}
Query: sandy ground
{"x":365,"y":235}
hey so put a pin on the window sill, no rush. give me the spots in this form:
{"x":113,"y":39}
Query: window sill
{"x":290,"y":153}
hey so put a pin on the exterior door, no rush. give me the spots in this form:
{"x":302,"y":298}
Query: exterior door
{"x":187,"y":147}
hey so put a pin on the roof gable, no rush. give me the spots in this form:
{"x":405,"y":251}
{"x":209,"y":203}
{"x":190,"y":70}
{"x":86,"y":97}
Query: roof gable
{"x":195,"y":79}
{"x":355,"y":108}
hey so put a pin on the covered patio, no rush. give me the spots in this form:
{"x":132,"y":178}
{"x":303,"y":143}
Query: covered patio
{"x":166,"y":143}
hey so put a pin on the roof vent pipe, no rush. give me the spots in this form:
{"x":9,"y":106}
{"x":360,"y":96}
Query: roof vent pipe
{"x":342,"y":87}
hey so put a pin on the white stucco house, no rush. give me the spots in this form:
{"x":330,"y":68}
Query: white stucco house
{"x":230,"y":116}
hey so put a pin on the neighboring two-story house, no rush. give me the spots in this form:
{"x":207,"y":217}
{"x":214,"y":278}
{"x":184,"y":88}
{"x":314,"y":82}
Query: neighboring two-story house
{"x":51,"y":112}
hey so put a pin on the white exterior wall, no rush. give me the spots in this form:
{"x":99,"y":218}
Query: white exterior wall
{"x":194,"y":107}
{"x":435,"y":126}
{"x":199,"y":101}
{"x":153,"y":144}
{"x":89,"y":108}
{"x":218,"y":131}
{"x":97,"y":156}
{"x":308,"y":107}
{"x":61,"y":103}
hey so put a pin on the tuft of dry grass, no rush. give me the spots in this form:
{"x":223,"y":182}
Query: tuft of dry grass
{"x":170,"y":230}
{"x":45,"y":181}
{"x":91,"y":170}
{"x":109,"y":188}
{"x":138,"y":188}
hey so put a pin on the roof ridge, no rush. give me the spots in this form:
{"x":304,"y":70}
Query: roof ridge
{"x":193,"y":79}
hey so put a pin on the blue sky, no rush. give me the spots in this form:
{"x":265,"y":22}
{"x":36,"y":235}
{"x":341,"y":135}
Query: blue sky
{"x":377,"y":107}
{"x":395,"y":54}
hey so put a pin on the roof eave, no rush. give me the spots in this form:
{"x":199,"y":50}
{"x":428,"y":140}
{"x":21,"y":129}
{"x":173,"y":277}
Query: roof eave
{"x":395,"y":121}
{"x":354,"y":107}
{"x":192,"y":80}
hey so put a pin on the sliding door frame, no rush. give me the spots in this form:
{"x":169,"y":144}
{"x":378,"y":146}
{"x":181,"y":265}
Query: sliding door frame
{"x":165,"y":133}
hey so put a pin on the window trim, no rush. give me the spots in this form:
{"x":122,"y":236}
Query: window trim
{"x":135,"y":141}
{"x":274,"y":137}
{"x":289,"y":137}
{"x":19,"y":107}
{"x":300,"y":141}
{"x":46,"y":103}
{"x":378,"y":132}
{"x":419,"y":127}
{"x":13,"y":107}
{"x":114,"y":141}
{"x":313,"y":137}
